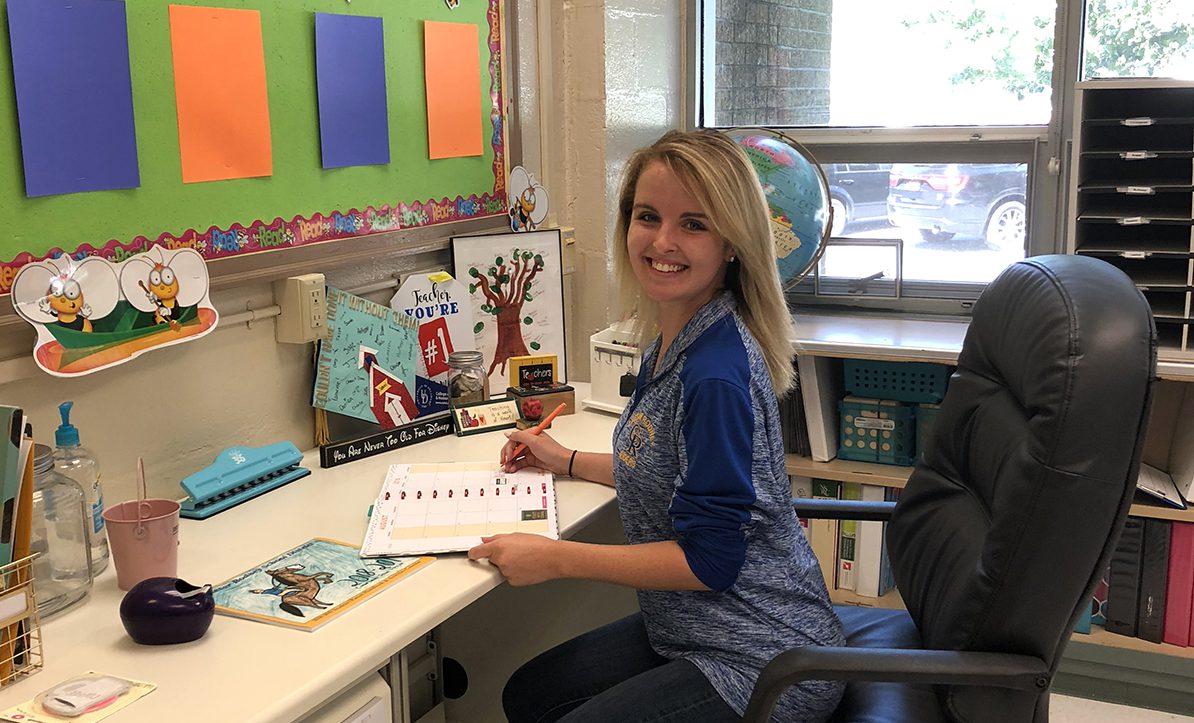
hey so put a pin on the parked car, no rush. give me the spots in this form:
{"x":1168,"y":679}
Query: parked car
{"x":857,"y":192}
{"x":943,"y":200}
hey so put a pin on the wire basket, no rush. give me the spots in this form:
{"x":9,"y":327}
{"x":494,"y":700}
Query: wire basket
{"x":20,"y":627}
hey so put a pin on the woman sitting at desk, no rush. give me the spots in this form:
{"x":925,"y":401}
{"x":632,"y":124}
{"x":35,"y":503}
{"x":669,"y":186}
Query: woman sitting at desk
{"x":726,"y":579}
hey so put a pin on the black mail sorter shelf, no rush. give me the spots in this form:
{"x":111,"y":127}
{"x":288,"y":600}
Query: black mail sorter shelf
{"x":1131,"y":197}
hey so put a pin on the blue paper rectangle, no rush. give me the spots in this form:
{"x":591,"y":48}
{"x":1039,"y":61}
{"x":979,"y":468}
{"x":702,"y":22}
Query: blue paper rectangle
{"x":351,"y":79}
{"x":74,"y":95}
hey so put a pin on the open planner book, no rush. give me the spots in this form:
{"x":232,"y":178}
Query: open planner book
{"x":424,"y":508}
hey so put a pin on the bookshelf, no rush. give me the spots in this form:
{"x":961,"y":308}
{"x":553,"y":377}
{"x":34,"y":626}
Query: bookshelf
{"x":887,"y":475}
{"x":1144,"y":509}
{"x":1099,"y":636}
{"x":844,"y":470}
{"x":1100,"y":665}
{"x":890,"y":601}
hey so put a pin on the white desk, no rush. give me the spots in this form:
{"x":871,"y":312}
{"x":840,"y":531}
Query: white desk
{"x":249,"y":671}
{"x":880,"y":337}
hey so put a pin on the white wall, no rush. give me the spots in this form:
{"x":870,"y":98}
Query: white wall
{"x":180,"y":406}
{"x":643,"y":80}
{"x":613,"y":83}
{"x":616,"y":81}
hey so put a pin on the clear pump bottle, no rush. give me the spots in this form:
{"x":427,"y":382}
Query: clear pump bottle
{"x":61,"y":535}
{"x":79,"y":464}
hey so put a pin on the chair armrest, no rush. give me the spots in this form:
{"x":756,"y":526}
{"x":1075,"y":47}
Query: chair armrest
{"x":843,"y":509}
{"x":890,"y":665}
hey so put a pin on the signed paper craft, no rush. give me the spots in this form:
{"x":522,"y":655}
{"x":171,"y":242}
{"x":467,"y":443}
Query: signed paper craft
{"x":515,"y":285}
{"x":366,"y":368}
{"x":442,"y":308}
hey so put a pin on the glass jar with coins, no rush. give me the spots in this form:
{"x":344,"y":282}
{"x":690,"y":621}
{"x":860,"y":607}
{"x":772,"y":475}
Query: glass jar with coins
{"x":467,"y":380}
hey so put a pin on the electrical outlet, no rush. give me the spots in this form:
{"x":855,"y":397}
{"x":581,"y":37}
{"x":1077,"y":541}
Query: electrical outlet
{"x":304,"y":308}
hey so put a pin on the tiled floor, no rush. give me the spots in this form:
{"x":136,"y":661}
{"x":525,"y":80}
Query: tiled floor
{"x":1063,"y":709}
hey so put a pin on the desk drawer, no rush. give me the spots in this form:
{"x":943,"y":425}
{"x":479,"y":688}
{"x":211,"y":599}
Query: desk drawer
{"x":347,"y":706}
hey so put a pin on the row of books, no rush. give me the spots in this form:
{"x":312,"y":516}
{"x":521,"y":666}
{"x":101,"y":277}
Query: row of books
{"x":793,"y":424}
{"x":1148,"y":590}
{"x":852,"y":554}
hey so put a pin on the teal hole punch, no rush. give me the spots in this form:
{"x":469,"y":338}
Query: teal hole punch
{"x":239,"y":474}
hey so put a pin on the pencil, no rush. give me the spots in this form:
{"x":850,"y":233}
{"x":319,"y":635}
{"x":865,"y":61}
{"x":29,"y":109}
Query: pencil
{"x":538,"y":429}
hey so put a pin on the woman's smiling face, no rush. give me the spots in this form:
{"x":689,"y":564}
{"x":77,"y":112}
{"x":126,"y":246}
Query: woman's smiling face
{"x":676,"y":254}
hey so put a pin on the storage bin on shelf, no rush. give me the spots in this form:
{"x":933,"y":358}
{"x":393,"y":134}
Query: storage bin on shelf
{"x":926,"y":417}
{"x":876,"y":430}
{"x":897,"y":381}
{"x":614,"y":353}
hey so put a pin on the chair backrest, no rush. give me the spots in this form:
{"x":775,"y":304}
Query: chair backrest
{"x":1009,"y":520}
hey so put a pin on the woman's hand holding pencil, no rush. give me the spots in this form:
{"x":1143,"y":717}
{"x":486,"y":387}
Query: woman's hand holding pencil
{"x":532,"y":448}
{"x":538,"y":428}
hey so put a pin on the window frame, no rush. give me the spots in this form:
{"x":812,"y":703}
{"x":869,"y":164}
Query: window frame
{"x":1045,"y":148}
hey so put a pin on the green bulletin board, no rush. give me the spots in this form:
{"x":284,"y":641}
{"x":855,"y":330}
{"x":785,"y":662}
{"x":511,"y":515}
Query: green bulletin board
{"x":301,"y":203}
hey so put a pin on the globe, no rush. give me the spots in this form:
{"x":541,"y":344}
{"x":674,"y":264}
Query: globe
{"x":797,"y":197}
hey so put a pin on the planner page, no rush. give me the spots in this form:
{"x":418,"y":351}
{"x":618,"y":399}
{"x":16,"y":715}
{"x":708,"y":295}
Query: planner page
{"x":449,"y":507}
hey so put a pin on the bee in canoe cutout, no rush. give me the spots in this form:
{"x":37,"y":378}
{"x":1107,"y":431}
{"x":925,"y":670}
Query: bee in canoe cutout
{"x":65,"y":292}
{"x":91,"y":313}
{"x":165,"y":283}
{"x":528,"y":201}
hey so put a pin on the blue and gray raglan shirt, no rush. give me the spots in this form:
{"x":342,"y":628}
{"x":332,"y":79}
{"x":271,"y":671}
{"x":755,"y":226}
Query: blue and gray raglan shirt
{"x":698,"y":458}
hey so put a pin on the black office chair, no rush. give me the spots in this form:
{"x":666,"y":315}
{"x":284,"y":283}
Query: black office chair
{"x":1007,"y":522}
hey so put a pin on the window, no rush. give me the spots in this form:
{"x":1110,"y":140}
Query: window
{"x":939,"y":124}
{"x":940,"y":211}
{"x":1121,"y":41}
{"x":872,"y":63}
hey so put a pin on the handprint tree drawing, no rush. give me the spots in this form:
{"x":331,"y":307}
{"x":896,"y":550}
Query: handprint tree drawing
{"x":515,"y":284}
{"x":506,"y":285}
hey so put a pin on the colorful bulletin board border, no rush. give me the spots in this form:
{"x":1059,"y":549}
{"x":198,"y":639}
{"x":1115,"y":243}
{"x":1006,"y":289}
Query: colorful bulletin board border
{"x":81,"y":215}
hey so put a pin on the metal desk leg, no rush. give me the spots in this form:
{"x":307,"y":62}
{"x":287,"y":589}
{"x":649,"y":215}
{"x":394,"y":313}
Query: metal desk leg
{"x":399,"y":683}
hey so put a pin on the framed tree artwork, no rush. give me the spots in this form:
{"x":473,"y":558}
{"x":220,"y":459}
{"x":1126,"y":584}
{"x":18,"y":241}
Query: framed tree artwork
{"x":516,"y":286}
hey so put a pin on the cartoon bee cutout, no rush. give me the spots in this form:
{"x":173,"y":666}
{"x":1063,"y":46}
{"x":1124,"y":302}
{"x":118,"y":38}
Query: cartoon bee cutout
{"x":165,"y":283}
{"x":528,"y":200}
{"x":66,"y":292}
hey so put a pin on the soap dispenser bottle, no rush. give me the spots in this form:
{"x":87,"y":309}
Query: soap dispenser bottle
{"x":81,"y":466}
{"x":60,"y":536}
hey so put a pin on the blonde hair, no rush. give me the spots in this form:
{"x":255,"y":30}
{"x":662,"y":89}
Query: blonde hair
{"x":715,"y":171}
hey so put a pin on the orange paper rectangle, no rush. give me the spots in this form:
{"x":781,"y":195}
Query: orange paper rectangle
{"x":219,"y":88}
{"x":452,"y":70}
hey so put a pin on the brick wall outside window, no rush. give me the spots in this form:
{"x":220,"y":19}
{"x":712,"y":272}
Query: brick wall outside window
{"x":772,"y":62}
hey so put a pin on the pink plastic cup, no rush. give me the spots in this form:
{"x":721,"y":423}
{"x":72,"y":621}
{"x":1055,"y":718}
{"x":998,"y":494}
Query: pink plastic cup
{"x":143,"y":535}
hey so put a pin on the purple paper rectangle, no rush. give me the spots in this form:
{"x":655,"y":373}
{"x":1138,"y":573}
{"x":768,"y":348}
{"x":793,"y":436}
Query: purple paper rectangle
{"x":350,"y":74}
{"x":74,"y":95}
